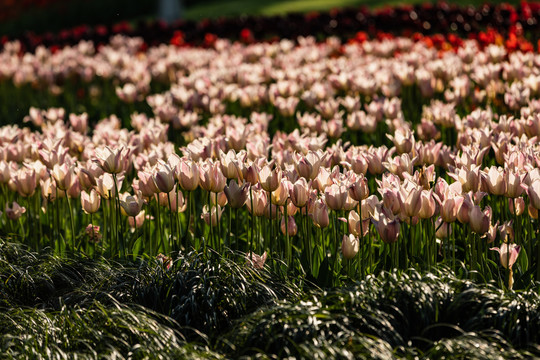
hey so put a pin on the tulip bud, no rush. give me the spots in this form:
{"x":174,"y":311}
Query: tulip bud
{"x":519,"y":208}
{"x":164,"y":178}
{"x":187,"y":173}
{"x":291,"y":227}
{"x":269,"y":179}
{"x":320,"y":214}
{"x":299,"y":193}
{"x":350,"y":246}
{"x":90,"y":202}
{"x":479,"y":221}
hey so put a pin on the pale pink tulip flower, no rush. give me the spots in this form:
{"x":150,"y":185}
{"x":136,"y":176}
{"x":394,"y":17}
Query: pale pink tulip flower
{"x":350,"y":246}
{"x":15,"y":211}
{"x":90,"y":202}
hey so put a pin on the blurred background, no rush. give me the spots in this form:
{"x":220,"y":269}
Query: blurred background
{"x":40,"y":16}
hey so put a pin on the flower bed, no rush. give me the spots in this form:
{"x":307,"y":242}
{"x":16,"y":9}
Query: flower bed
{"x":284,"y":165}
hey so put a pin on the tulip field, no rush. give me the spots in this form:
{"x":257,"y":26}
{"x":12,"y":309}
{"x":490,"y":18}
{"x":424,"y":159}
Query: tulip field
{"x":321,"y":196}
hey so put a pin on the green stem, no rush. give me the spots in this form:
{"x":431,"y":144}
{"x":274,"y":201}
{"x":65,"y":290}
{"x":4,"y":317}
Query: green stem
{"x":171,"y":222}
{"x":72,"y":224}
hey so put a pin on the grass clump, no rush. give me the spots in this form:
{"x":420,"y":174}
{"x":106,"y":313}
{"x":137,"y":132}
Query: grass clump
{"x":93,"y":332}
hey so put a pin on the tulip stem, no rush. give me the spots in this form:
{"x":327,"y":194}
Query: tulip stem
{"x":57,"y":223}
{"x":538,"y":254}
{"x":236,"y":235}
{"x":178,"y":225}
{"x":218,"y":227}
{"x":288,"y":244}
{"x":92,"y":232}
{"x":411,"y":239}
{"x":120,"y":233}
{"x":453,"y":247}
{"x":50,"y":223}
{"x":334,"y":220}
{"x":38,"y":218}
{"x":252,"y":224}
{"x":210,"y":227}
{"x":72,"y":224}
{"x":271,"y":223}
{"x":171,"y":222}
{"x":188,"y":220}
{"x":227,"y":238}
{"x":160,"y":234}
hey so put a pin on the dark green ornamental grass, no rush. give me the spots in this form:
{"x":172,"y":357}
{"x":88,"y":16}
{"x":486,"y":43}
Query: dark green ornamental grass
{"x":216,"y":307}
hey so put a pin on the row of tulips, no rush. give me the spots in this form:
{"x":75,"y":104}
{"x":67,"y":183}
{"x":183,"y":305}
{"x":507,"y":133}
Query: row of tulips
{"x":427,"y":19}
{"x":274,"y":160}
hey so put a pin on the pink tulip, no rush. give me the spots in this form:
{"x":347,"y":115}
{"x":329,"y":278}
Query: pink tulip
{"x":281,"y":195}
{"x":513,"y":184}
{"x":428,"y":206}
{"x":236,"y":195}
{"x":229,"y":165}
{"x":177,"y":200}
{"x":166,"y":261}
{"x":495,"y":180}
{"x":519,"y":207}
{"x":479,"y":220}
{"x":508,"y":254}
{"x":357,"y":227}
{"x":391,"y":200}
{"x":93,"y":233}
{"x":187,"y":173}
{"x":15,"y":211}
{"x":336,"y":196}
{"x":320,"y":214}
{"x":5,"y":171}
{"x":105,"y":185}
{"x":112,"y":161}
{"x":146,"y":184}
{"x":403,"y":140}
{"x":90,"y":202}
{"x":63,"y":176}
{"x":291,"y":228}
{"x":533,"y":191}
{"x":256,"y":261}
{"x":260,"y":201}
{"x":132,"y":205}
{"x":387,"y":226}
{"x":444,"y":230}
{"x":299,"y":193}
{"x":359,"y":189}
{"x":138,"y":221}
{"x":251,"y":174}
{"x":211,"y":178}
{"x":221,"y":199}
{"x":164,"y":177}
{"x":410,"y":199}
{"x":350,"y":246}
{"x":215,"y":216}
{"x":25,"y":182}
{"x":507,"y":231}
{"x":269,"y":179}
{"x":308,"y":166}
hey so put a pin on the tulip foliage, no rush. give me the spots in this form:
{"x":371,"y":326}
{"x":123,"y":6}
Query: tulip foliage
{"x":328,"y":160}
